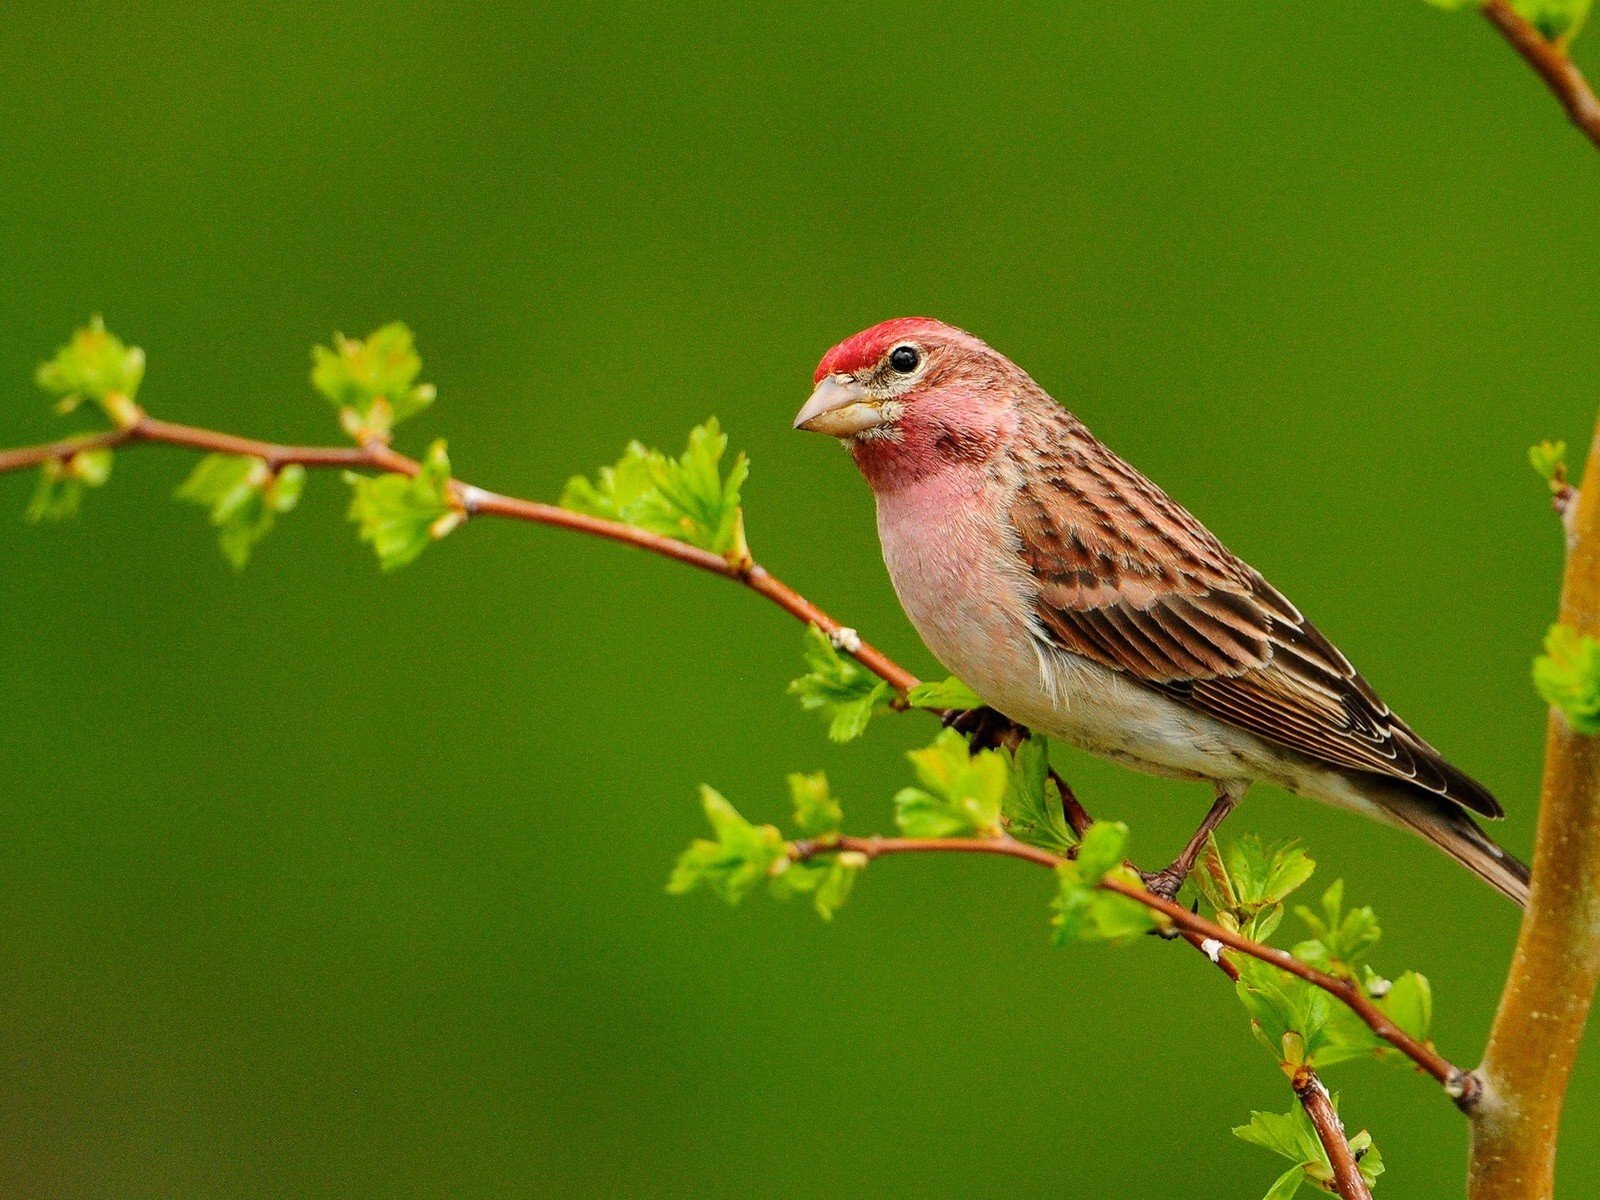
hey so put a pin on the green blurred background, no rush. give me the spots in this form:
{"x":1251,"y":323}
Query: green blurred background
{"x":318,"y":883}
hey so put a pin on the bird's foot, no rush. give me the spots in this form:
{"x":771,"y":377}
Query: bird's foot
{"x":1165,"y":882}
{"x":986,"y":728}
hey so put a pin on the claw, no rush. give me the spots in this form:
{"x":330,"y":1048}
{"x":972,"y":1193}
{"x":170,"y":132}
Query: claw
{"x":986,"y":728}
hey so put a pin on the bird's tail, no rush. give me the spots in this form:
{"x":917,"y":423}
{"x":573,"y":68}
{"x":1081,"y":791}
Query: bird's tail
{"x":1448,"y":827}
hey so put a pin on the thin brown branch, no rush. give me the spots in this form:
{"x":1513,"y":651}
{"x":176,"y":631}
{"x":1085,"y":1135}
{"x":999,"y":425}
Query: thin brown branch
{"x":148,"y":430}
{"x":1314,"y":1098}
{"x":1551,"y":62}
{"x":32,"y":456}
{"x":1206,"y":935}
{"x":1456,"y":1082}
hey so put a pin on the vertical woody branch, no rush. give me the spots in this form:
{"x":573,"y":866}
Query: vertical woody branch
{"x":1547,"y":996}
{"x":1516,"y":1120}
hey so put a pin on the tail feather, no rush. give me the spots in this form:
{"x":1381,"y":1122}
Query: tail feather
{"x":1458,"y":835}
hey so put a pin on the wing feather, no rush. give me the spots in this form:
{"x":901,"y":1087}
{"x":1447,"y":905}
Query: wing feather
{"x":1129,"y":579}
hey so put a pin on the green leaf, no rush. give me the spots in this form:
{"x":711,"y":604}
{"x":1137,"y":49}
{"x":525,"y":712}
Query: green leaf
{"x":1086,"y":912}
{"x":1286,"y":1184}
{"x":950,"y":694}
{"x":1341,"y":940}
{"x":1567,"y":675}
{"x":843,"y":691}
{"x":1299,"y":1023}
{"x":739,"y":856}
{"x":95,"y":365}
{"x":1368,"y":1159}
{"x":245,"y":498}
{"x":960,"y":794}
{"x":1031,"y":805}
{"x":1102,"y":850}
{"x":1291,"y":1135}
{"x":398,"y":515}
{"x":1409,"y":1004}
{"x":827,"y":881}
{"x":372,"y":381}
{"x":62,"y":482}
{"x":816,"y":812}
{"x":1558,"y":20}
{"x":1549,"y":459}
{"x":1286,"y":1013}
{"x":836,"y":885}
{"x":1247,"y":882}
{"x":686,"y":498}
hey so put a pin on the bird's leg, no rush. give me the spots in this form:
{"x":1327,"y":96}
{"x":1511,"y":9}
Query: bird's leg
{"x":987,"y":728}
{"x":1166,"y":882}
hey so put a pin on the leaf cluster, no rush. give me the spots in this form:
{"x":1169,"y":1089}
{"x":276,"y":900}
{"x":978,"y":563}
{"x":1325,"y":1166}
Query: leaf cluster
{"x":687,"y":498}
{"x":741,"y":855}
{"x":62,"y":481}
{"x":1086,"y":912}
{"x":1247,"y":884}
{"x":1291,"y":1135}
{"x":400,"y":515}
{"x":244,"y":497}
{"x":372,"y":381}
{"x":839,"y":689}
{"x":1567,"y":676}
{"x":95,"y":365}
{"x":960,"y":793}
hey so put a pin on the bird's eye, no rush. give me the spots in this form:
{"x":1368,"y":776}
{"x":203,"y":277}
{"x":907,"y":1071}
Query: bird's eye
{"x":904,"y":359}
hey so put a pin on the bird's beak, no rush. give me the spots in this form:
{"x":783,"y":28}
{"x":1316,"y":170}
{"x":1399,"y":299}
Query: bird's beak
{"x":840,"y":407}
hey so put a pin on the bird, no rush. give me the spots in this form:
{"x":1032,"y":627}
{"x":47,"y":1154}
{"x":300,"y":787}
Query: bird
{"x":1077,"y":599}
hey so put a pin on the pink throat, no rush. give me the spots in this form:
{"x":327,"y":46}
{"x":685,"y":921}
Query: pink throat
{"x":922,"y":443}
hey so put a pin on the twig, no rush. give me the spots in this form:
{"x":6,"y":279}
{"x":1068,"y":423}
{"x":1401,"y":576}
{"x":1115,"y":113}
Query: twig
{"x":1553,"y":65}
{"x":476,"y":501}
{"x":1314,"y":1098}
{"x":1197,"y":930}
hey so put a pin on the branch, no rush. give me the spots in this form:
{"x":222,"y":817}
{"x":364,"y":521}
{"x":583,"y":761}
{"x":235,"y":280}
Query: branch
{"x":1205,"y":935}
{"x":1539,"y":1024}
{"x":1553,"y":65}
{"x":1208,"y":938}
{"x":143,"y":429}
{"x":1545,"y":1005}
{"x":1314,"y":1098}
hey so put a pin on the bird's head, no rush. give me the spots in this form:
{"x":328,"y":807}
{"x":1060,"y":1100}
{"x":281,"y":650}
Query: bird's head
{"x":912,"y":395}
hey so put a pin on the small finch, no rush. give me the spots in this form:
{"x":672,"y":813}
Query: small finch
{"x":1076,"y":598}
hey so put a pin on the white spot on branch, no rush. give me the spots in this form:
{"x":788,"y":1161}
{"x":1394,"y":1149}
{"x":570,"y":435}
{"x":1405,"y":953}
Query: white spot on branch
{"x":846,"y":639}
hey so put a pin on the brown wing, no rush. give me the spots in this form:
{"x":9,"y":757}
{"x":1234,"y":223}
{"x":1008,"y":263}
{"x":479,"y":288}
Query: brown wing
{"x":1128,"y":578}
